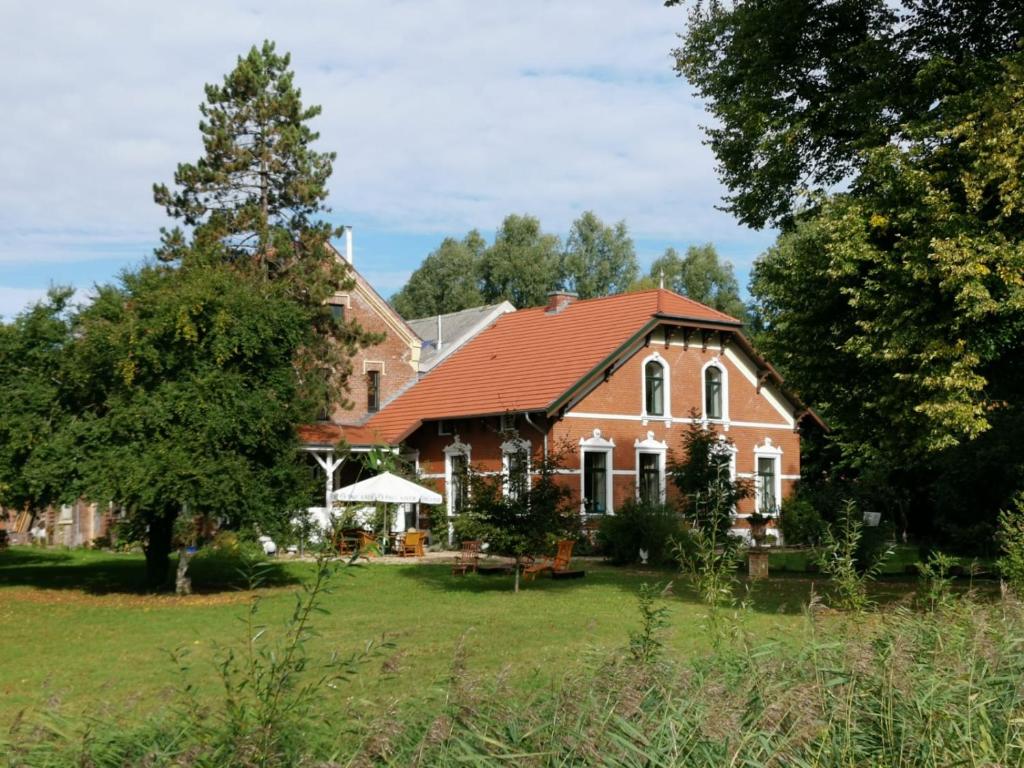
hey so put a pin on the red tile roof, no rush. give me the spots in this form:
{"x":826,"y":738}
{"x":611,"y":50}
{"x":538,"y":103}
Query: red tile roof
{"x":529,"y":358}
{"x":332,"y":434}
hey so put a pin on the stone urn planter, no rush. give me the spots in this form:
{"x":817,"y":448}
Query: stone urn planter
{"x":759,"y":528}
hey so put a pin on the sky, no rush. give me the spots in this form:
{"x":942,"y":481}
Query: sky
{"x":446,"y":115}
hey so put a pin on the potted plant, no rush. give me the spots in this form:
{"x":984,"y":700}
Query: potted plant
{"x":758,"y":523}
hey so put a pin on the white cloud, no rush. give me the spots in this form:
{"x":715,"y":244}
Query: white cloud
{"x":13,"y":300}
{"x":445,"y":115}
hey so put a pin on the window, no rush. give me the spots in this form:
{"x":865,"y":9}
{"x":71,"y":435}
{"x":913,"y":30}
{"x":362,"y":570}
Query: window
{"x":444,"y":427}
{"x":595,"y":482}
{"x":458,"y":492}
{"x":517,"y":469}
{"x":654,"y":389}
{"x":338,"y":312}
{"x":508,"y":422}
{"x":649,"y":481}
{"x":650,"y":469}
{"x":373,"y":391}
{"x":713,"y":392}
{"x":766,"y":484}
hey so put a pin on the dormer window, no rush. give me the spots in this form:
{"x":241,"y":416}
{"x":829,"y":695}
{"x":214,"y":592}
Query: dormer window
{"x":654,"y":388}
{"x":713,"y":392}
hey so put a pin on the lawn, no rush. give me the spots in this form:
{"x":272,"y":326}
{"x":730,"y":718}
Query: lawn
{"x":80,"y":638}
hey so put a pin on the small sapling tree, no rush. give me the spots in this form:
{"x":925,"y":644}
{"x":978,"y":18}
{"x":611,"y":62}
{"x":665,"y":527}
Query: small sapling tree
{"x":520,"y":513}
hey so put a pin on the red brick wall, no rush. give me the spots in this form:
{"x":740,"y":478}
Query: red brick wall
{"x":394,"y":357}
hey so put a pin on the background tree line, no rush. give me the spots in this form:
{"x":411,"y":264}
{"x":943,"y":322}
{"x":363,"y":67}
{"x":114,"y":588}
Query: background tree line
{"x":883,"y":141}
{"x":524,"y":263}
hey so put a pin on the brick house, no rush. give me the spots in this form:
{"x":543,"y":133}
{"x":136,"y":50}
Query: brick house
{"x":380,"y":374}
{"x":618,"y":379}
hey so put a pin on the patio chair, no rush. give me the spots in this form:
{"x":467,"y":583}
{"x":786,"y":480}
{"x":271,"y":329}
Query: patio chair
{"x":558,"y":564}
{"x":467,"y":558}
{"x":412,"y":544}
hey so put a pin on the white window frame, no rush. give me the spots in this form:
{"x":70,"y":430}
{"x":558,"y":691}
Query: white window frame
{"x":666,"y":387}
{"x":767,"y":450}
{"x":441,"y":431}
{"x":657,"y":448}
{"x":510,"y":448}
{"x":598,"y":444}
{"x":714,"y":362}
{"x":457,"y":448}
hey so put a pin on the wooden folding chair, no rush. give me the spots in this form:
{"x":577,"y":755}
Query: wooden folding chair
{"x":412,"y":544}
{"x":467,"y":558}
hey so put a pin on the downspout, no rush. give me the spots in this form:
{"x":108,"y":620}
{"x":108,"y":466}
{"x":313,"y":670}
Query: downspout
{"x":544,"y":434}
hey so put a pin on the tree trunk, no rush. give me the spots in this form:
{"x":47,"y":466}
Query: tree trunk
{"x":182,"y":582}
{"x":158,"y":550}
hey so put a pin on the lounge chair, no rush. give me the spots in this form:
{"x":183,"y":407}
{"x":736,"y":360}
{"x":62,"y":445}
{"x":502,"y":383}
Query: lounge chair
{"x":558,"y":564}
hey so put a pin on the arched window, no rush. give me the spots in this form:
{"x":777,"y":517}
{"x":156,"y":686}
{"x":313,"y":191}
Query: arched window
{"x":713,"y":392}
{"x":654,"y":388}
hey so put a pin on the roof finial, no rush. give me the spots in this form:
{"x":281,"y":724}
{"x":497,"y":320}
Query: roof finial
{"x":661,"y":281}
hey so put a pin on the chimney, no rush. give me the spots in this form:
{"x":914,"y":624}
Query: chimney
{"x":439,"y":341}
{"x":347,"y":254}
{"x":559,"y":300}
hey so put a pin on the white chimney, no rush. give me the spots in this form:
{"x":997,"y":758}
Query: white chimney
{"x":348,"y":253}
{"x":439,"y":341}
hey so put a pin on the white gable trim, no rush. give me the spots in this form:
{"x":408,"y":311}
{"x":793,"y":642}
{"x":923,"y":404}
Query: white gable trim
{"x":768,"y":391}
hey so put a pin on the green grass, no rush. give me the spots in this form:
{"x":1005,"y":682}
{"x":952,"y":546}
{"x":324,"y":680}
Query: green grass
{"x":79,"y":637}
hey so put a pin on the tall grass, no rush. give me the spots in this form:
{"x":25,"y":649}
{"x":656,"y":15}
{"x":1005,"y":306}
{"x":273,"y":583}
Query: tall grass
{"x":939,"y":689}
{"x":894,"y":688}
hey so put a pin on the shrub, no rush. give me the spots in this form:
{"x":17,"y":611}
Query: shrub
{"x":840,"y":560}
{"x":638,"y":525}
{"x":1011,"y":541}
{"x":801,"y":523}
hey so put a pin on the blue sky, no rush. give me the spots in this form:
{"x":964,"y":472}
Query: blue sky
{"x":445,"y":114}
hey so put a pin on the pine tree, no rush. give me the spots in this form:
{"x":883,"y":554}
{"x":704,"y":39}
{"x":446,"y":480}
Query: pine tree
{"x":255,"y":198}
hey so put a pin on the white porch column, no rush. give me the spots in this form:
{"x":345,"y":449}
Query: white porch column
{"x":329,"y":465}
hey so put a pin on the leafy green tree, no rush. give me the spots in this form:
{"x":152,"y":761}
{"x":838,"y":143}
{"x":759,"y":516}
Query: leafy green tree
{"x":448,"y":280}
{"x":799,"y":90}
{"x":701,"y":276}
{"x":599,"y":260}
{"x":186,"y":402}
{"x":895,"y":305}
{"x":258,"y":194}
{"x":522,"y":265}
{"x":32,"y":349}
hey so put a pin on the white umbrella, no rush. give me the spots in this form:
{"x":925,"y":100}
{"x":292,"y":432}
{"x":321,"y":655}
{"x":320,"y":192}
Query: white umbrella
{"x":388,"y":489}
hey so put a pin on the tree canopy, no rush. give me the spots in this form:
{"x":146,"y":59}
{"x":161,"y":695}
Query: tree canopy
{"x":701,"y":276}
{"x":448,"y":280}
{"x":187,"y":401}
{"x":522,"y":264}
{"x":32,"y":350}
{"x":799,"y":90}
{"x":598,"y":260}
{"x":258,"y":195}
{"x":882,"y":138}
